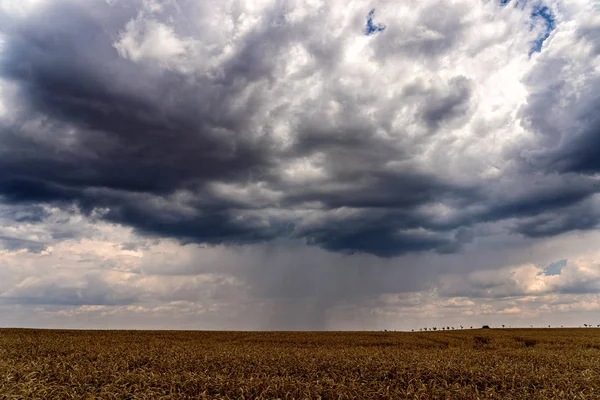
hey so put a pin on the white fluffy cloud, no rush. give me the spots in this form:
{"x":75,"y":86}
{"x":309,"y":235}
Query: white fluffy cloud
{"x":152,"y":41}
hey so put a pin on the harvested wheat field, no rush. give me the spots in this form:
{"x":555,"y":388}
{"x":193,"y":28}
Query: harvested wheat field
{"x":467,"y":364}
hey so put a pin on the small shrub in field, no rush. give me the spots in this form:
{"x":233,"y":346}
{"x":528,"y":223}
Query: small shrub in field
{"x":526,"y":342}
{"x":481,"y":340}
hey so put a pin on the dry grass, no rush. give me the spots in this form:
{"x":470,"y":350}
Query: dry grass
{"x":470,"y":364}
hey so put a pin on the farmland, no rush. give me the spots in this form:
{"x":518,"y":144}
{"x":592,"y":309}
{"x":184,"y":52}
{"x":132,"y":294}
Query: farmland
{"x":465,"y":364}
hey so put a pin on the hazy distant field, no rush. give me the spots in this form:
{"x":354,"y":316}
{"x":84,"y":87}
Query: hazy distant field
{"x":542,"y":363}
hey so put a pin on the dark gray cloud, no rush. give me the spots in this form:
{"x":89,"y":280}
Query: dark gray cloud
{"x":562,"y":108}
{"x":90,"y":291}
{"x":438,"y":31}
{"x":14,"y":244}
{"x":450,"y":106}
{"x":153,"y":136}
{"x":581,"y":217}
{"x":24,"y":214}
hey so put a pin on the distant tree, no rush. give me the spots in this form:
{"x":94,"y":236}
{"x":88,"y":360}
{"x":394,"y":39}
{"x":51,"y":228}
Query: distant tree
{"x":548,"y":326}
{"x":447,"y":328}
{"x":471,"y":327}
{"x":485,"y":327}
{"x":585,"y":325}
{"x":461,"y":327}
{"x":435,"y":328}
{"x":503,"y":325}
{"x":412,"y":330}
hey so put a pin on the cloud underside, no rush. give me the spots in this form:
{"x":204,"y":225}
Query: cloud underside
{"x":231,"y":124}
{"x":118,"y":280}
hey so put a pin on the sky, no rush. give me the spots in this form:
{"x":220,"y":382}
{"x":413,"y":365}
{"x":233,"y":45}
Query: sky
{"x":299,"y":164}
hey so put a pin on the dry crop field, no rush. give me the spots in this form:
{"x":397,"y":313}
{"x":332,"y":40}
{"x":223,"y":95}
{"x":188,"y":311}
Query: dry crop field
{"x":467,"y":364}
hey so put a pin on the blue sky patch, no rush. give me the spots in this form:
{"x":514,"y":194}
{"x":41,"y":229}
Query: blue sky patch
{"x":372,"y":28}
{"x":555,"y":268}
{"x":542,"y":14}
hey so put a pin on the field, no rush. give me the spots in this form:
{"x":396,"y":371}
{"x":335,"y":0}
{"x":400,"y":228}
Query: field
{"x":469,"y":364}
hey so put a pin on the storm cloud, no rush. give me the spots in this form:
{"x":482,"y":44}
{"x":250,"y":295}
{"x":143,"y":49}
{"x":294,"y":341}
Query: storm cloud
{"x":218,"y":133}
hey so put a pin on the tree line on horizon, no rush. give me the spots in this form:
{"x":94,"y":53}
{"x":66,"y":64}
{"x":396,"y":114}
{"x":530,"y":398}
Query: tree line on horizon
{"x":448,"y":328}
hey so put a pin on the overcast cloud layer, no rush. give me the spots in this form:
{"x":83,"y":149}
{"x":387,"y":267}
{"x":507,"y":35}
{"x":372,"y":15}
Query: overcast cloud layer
{"x":299,"y":164}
